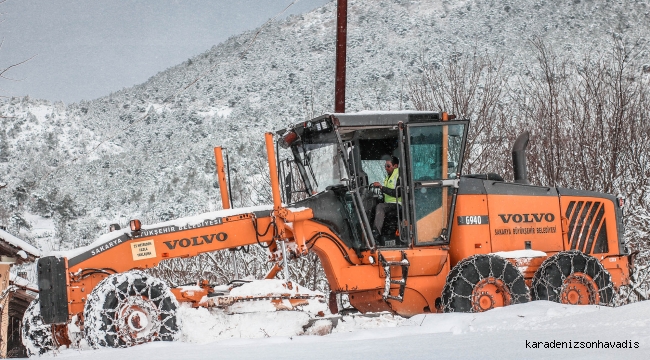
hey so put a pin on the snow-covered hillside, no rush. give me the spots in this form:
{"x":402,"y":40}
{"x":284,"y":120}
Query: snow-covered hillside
{"x":536,"y":330}
{"x":146,"y":151}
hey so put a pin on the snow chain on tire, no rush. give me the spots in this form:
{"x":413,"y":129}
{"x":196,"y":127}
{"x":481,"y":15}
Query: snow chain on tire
{"x":463,"y":281}
{"x":36,"y":335}
{"x":130,"y":308}
{"x":551,"y":276}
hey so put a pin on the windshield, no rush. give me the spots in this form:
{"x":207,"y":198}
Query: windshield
{"x":326,"y":165}
{"x":375,"y":169}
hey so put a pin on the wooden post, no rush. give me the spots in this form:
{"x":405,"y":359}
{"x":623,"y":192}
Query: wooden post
{"x":341,"y":55}
{"x":4,"y":308}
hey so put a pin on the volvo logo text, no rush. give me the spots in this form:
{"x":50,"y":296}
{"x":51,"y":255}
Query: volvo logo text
{"x":527,"y":218}
{"x":196,"y":240}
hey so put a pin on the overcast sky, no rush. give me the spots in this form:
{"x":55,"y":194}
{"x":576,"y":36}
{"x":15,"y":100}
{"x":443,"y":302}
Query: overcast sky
{"x":85,"y":49}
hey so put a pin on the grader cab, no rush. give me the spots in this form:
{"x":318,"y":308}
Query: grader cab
{"x":453,"y":242}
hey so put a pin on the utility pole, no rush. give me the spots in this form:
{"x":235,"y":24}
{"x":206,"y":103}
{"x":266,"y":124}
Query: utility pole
{"x":341,"y":47}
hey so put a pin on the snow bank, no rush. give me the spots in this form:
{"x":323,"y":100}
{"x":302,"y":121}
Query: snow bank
{"x":267,"y":296}
{"x":203,"y":325}
{"x":503,"y":333}
{"x":270,"y":287}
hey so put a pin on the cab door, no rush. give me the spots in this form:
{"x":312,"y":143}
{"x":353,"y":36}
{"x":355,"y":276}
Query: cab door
{"x":435,"y":158}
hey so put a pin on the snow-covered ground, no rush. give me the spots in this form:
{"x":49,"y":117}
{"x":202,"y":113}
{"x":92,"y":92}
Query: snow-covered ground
{"x":503,"y":333}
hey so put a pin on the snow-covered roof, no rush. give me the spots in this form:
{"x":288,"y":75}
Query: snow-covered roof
{"x":21,"y":245}
{"x":19,"y":281}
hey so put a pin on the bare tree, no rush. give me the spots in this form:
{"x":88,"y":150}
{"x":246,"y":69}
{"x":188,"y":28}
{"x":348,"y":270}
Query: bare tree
{"x":588,"y":119}
{"x":472,"y":86}
{"x":4,"y":71}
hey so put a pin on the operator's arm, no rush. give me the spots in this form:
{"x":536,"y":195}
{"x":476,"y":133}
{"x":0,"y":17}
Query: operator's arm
{"x":397,"y":192}
{"x":389,"y":191}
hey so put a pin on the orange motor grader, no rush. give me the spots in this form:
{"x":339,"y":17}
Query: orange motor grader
{"x":452,"y":243}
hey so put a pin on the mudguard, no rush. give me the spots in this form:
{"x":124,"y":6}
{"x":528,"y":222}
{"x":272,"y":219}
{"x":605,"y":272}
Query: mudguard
{"x":53,"y":292}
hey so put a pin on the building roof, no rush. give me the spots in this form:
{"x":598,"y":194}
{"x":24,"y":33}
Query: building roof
{"x":12,"y":246}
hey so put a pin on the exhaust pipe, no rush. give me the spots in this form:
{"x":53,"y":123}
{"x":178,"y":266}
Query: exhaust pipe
{"x":519,"y":158}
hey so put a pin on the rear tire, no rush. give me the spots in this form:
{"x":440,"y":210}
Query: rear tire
{"x":573,"y":277}
{"x":130,"y":308}
{"x":483,"y":282}
{"x":36,"y":334}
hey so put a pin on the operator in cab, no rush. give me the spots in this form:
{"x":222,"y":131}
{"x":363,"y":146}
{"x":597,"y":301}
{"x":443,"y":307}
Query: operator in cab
{"x":391,"y":191}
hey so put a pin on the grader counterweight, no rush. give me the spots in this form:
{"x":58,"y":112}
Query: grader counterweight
{"x":451,"y":243}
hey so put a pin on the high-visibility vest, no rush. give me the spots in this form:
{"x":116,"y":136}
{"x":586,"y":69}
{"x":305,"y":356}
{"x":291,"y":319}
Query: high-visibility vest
{"x":390,"y":182}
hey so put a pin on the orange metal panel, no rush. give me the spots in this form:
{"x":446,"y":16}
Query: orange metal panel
{"x":273,"y":170}
{"x":586,"y":218}
{"x":365,"y":281}
{"x":429,"y":287}
{"x":422,"y":262}
{"x":369,"y":301}
{"x":619,"y":269}
{"x":372,"y":301}
{"x":234,"y":231}
{"x":221,"y":176}
{"x":467,"y":240}
{"x":516,"y":220}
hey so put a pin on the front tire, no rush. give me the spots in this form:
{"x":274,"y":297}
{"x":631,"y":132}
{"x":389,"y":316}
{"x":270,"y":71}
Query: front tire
{"x":36,"y":334}
{"x":483,"y":282}
{"x":130,"y":308}
{"x":573,"y":277}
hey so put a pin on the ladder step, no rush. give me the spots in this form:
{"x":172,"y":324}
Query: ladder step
{"x":404,"y":264}
{"x":396,"y":263}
